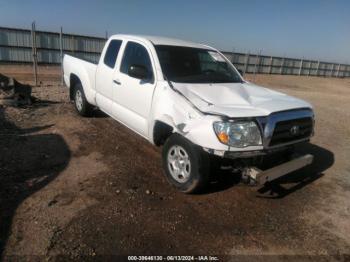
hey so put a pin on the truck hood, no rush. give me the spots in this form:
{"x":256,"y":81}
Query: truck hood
{"x":238,"y":99}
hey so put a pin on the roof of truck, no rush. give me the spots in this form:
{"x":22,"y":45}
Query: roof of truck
{"x":160,"y":40}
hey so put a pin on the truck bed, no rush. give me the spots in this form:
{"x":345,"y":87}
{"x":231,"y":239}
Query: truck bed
{"x":84,"y":59}
{"x":83,"y":69}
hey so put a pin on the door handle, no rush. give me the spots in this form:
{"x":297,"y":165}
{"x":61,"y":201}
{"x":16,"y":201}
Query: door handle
{"x":117,"y":82}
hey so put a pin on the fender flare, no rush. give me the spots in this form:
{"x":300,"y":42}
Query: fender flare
{"x":83,"y":78}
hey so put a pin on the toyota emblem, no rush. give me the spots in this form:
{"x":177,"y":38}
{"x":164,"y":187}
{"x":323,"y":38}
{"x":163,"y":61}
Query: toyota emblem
{"x":294,"y":130}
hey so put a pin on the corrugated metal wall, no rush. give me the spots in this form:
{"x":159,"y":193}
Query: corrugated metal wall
{"x":16,"y":46}
{"x":253,"y":63}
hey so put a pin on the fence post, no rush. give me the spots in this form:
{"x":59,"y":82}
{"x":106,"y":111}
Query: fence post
{"x":233,"y":56}
{"x":301,"y":65}
{"x":73,"y":44}
{"x":318,"y":67}
{"x":332,"y":70}
{"x":271,"y":62}
{"x":61,"y":53}
{"x":337,"y":75}
{"x":34,"y":54}
{"x":246,"y":63}
{"x":282,"y":65}
{"x":257,"y":63}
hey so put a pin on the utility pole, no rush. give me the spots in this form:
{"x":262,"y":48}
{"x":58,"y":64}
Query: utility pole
{"x":34,"y":54}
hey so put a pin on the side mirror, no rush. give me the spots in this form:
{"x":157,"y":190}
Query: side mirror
{"x":240,"y":71}
{"x":138,"y":71}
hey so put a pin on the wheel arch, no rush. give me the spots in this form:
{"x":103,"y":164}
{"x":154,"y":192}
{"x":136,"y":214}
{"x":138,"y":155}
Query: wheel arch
{"x":81,"y":75}
{"x":161,"y":132}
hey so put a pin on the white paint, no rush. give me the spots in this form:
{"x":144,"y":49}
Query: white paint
{"x":239,"y":100}
{"x":138,"y":105}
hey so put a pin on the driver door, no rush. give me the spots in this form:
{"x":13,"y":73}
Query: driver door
{"x":132,"y":97}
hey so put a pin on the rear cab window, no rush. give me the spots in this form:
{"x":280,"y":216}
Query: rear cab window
{"x":112,"y":53}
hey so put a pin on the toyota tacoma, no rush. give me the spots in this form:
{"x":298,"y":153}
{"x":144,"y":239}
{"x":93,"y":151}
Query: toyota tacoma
{"x":190,"y":99}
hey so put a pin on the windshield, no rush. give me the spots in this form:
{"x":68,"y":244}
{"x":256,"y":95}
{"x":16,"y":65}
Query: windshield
{"x":195,"y":65}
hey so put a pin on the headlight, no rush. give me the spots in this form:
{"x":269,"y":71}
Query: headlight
{"x":238,"y":134}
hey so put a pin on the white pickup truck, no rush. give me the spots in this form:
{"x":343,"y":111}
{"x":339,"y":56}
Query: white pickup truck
{"x":191,"y":100}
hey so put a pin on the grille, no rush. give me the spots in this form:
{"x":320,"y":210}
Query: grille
{"x":291,"y":130}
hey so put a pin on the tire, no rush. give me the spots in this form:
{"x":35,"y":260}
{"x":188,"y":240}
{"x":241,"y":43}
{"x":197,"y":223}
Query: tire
{"x":80,"y":103}
{"x":186,"y":165}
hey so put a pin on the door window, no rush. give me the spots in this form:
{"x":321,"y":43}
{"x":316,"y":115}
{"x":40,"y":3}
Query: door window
{"x":112,"y":53}
{"x":136,"y":54}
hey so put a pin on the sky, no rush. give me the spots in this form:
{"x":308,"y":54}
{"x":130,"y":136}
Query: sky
{"x":312,"y":29}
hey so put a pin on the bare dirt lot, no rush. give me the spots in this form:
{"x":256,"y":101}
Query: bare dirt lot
{"x":90,"y":187}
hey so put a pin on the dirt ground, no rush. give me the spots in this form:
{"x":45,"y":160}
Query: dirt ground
{"x":82,"y":187}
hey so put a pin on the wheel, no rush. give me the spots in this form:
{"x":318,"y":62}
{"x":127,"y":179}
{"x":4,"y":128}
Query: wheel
{"x":186,"y":165}
{"x":81,"y":104}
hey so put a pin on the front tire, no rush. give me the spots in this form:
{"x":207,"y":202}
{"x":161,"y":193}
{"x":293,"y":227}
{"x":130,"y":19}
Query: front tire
{"x":186,"y":165}
{"x":81,"y":104}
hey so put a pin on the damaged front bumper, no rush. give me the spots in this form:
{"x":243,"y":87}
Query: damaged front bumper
{"x":254,"y":175}
{"x":260,"y":177}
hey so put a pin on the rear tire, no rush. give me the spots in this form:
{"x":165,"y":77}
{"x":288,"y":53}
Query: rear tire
{"x":186,"y":165}
{"x":80,"y":103}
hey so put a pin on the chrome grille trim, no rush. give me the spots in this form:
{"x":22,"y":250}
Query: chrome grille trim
{"x":267,"y":124}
